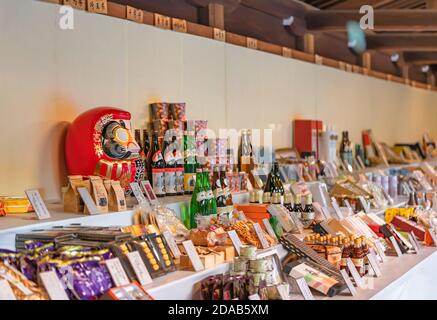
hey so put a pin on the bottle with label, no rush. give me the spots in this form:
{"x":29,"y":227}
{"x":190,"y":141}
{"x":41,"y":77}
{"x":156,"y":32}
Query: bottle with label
{"x":346,"y":253}
{"x":179,"y":167}
{"x":297,"y":209}
{"x":288,"y":202}
{"x":217,"y":189}
{"x":226,"y":190}
{"x":190,"y":163}
{"x":366,"y":251}
{"x":346,"y":149}
{"x":147,"y":149}
{"x":170,"y":164}
{"x":358,"y":256}
{"x":279,"y":187}
{"x":274,"y":183}
{"x":308,"y":212}
{"x":245,"y":151}
{"x":197,"y":204}
{"x":158,"y":168}
{"x":210,"y":202}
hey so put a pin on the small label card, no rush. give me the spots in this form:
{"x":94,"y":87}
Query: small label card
{"x":88,"y":200}
{"x":348,"y":205}
{"x":179,"y":25}
{"x":148,"y":189}
{"x":261,"y":236}
{"x":413,"y":241}
{"x":76,"y":4}
{"x":219,"y":35}
{"x":286,"y":52}
{"x":348,"y":282}
{"x":138,"y":193}
{"x":254,"y":297}
{"x":117,"y":272}
{"x":6,"y":292}
{"x":53,"y":286}
{"x":396,"y":246}
{"x":355,"y":275}
{"x":433,"y":236}
{"x":163,"y":22}
{"x":365,"y":204}
{"x":304,"y":289}
{"x":139,"y":267}
{"x":193,"y":255}
{"x":381,"y":252}
{"x":98,"y":6}
{"x":337,"y":209}
{"x":283,"y":290}
{"x":172,"y":244}
{"x":235,"y":240}
{"x":374,"y":264}
{"x":134,"y":14}
{"x":38,"y":204}
{"x":252,"y":43}
{"x":269,"y":228}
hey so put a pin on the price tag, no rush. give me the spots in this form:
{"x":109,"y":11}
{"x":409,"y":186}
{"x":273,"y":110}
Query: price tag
{"x":6,"y":292}
{"x":348,"y":205}
{"x":117,"y":272}
{"x":304,"y":289}
{"x":326,"y":213}
{"x":374,"y":264}
{"x":413,"y":241}
{"x":88,"y":200}
{"x":260,"y":235}
{"x":284,"y":218}
{"x":396,"y":246}
{"x":365,"y":204}
{"x":148,"y":190}
{"x":179,"y":25}
{"x":219,"y":35}
{"x":269,"y":228}
{"x":138,"y":193}
{"x":193,"y":255}
{"x":252,"y":43}
{"x":53,"y":286}
{"x":38,"y":204}
{"x":134,"y":14}
{"x":254,"y":297}
{"x":433,"y":236}
{"x":355,"y":275}
{"x":98,"y":6}
{"x":286,"y":52}
{"x":235,"y":240}
{"x":172,"y":244}
{"x":337,"y":209}
{"x":162,"y":22}
{"x":76,"y":4}
{"x":381,"y":253}
{"x":139,"y":267}
{"x":283,"y":290}
{"x":348,"y":282}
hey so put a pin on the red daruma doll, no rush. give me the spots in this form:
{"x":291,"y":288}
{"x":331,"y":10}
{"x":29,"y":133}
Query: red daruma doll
{"x":100,"y":142}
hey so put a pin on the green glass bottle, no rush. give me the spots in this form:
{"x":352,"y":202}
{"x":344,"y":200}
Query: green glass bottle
{"x":197,"y":205}
{"x":210,"y":202}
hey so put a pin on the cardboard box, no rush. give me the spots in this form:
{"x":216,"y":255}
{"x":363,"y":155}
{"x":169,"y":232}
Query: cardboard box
{"x":229,"y":252}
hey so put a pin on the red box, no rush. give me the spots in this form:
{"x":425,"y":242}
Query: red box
{"x":306,"y":135}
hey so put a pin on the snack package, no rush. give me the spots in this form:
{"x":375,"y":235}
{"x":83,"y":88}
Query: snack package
{"x":72,"y":200}
{"x":116,"y":196}
{"x":14,"y":205}
{"x":99,"y":194}
{"x":166,"y":220}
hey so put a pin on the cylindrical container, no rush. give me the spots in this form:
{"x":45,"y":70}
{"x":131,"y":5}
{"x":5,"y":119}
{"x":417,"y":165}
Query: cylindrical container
{"x":240,"y":264}
{"x":248,"y":252}
{"x":262,"y":265}
{"x":393,"y":186}
{"x":257,"y":278}
{"x":385,"y":183}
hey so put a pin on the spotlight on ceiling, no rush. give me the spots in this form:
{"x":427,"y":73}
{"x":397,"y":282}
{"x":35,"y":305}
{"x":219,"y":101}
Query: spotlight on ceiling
{"x":395,"y":57}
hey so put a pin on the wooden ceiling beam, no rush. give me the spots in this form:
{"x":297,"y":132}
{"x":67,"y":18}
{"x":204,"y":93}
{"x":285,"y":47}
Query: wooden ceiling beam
{"x":385,"y":20}
{"x":402,"y":42}
{"x":356,"y":4}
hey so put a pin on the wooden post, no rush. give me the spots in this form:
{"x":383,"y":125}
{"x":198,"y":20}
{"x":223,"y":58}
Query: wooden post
{"x":213,"y":15}
{"x":308,"y":43}
{"x":366,"y":60}
{"x":431,"y":79}
{"x":406,"y":71}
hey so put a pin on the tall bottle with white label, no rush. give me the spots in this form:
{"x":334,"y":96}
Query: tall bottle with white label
{"x":197,"y":204}
{"x":158,"y":168}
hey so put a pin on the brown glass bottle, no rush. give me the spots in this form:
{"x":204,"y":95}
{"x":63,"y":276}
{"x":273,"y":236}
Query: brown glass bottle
{"x":358,"y":256}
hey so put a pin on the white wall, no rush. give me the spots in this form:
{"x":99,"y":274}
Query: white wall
{"x":49,"y":76}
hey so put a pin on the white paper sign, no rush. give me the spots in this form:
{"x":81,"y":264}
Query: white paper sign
{"x":326,"y":213}
{"x":117,"y":272}
{"x":283,"y":291}
{"x":396,"y":246}
{"x":365,"y":204}
{"x":53,"y":286}
{"x":348,"y":282}
{"x":413,"y":241}
{"x":139,"y":267}
{"x":38,"y":204}
{"x":172,"y":244}
{"x":337,"y":210}
{"x":355,"y":275}
{"x":6,"y":292}
{"x":138,"y":193}
{"x":374,"y":264}
{"x":88,"y":200}
{"x":304,"y":289}
{"x":380,"y":249}
{"x":193,"y":255}
{"x":261,"y":236}
{"x":269,"y":228}
{"x":348,"y":205}
{"x":235,"y":240}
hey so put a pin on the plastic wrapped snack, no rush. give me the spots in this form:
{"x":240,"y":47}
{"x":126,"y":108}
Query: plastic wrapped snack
{"x":166,"y":220}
